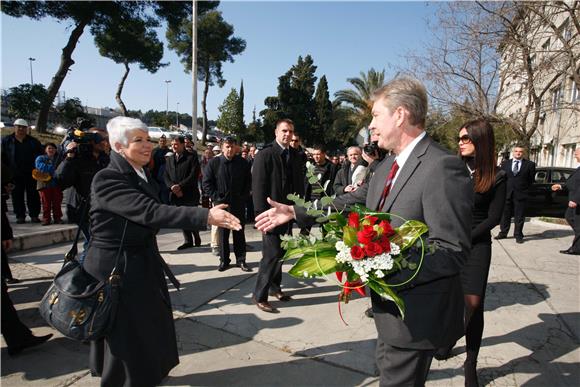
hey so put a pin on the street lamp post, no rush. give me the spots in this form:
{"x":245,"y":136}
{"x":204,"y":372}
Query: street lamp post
{"x":177,"y":115}
{"x":31,"y":78}
{"x":167,"y":82}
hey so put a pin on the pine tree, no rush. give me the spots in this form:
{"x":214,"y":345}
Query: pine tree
{"x":323,"y":114}
{"x":241,"y":124}
{"x":230,"y":115}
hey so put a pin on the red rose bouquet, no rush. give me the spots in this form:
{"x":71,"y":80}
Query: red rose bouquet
{"x":363,"y":249}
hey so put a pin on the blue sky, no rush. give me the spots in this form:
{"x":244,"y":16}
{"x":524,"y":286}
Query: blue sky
{"x":344,"y":38}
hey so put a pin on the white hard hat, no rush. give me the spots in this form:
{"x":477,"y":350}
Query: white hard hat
{"x":216,"y":148}
{"x":20,"y":122}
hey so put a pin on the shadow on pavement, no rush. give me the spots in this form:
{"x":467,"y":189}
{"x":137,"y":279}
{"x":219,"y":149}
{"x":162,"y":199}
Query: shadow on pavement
{"x":550,"y":234}
{"x":503,"y":294}
{"x":547,"y":341}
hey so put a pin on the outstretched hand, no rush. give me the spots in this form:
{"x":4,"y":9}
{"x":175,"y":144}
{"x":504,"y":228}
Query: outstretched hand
{"x":275,"y":216}
{"x":221,"y":218}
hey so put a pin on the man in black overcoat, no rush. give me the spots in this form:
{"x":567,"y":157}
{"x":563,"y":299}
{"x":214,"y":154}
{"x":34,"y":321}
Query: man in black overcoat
{"x":182,"y":171}
{"x":278,"y":171}
{"x":520,"y":177}
{"x":573,"y":211}
{"x":227,"y":180}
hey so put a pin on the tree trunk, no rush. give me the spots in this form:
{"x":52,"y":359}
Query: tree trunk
{"x":65,"y":63}
{"x":120,"y":90}
{"x":204,"y":107}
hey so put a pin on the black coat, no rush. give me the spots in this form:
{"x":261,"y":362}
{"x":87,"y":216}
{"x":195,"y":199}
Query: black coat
{"x":519,"y":185}
{"x":228,"y":182}
{"x":184,"y":172}
{"x":573,"y":185}
{"x":269,"y":179}
{"x":143,"y":339}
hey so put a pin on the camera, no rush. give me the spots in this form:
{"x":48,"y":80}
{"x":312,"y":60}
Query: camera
{"x":371,"y":149}
{"x":84,"y":139}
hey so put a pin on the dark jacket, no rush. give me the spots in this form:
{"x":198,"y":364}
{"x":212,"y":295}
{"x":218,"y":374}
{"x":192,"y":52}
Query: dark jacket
{"x":228,"y":181}
{"x":184,"y":172}
{"x":143,"y":341}
{"x":573,"y":185}
{"x":519,"y":185}
{"x":326,"y":173}
{"x":270,"y":178}
{"x":22,"y":165}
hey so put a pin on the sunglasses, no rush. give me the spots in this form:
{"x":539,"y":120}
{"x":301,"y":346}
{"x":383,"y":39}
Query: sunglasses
{"x":464,"y":139}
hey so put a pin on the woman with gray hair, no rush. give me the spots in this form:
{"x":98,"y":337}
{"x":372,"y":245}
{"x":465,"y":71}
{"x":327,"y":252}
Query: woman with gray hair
{"x":126,"y":214}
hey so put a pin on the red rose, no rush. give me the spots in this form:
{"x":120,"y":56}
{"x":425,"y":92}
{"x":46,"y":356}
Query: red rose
{"x":371,"y":219}
{"x":387,"y":229}
{"x":353,"y":219}
{"x":373,"y":249}
{"x":385,"y":244}
{"x":357,"y":252}
{"x":366,"y":235}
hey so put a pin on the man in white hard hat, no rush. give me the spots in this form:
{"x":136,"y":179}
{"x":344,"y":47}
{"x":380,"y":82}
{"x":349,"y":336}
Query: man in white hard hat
{"x":19,"y":151}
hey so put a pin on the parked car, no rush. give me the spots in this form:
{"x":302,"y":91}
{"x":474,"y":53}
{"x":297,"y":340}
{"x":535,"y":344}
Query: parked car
{"x":542,"y":200}
{"x":155,"y":133}
{"x":209,"y":137}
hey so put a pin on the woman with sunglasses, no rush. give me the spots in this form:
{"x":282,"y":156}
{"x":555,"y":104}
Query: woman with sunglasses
{"x":477,"y":149}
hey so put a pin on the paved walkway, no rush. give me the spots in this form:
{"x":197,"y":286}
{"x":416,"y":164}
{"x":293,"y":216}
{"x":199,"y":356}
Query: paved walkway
{"x":531,"y":335}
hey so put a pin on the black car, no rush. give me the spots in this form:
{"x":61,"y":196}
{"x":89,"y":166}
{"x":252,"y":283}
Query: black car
{"x":542,"y":200}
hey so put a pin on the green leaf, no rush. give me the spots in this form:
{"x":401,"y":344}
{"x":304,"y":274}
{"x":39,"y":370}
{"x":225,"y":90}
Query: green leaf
{"x":317,"y":190}
{"x":322,"y":219}
{"x":313,"y":179}
{"x":314,"y":212}
{"x":326,"y":200}
{"x":314,"y":265}
{"x":379,"y":287}
{"x":349,"y":236}
{"x":300,"y":251}
{"x":339,"y":218}
{"x":292,"y":197}
{"x":408,"y":233}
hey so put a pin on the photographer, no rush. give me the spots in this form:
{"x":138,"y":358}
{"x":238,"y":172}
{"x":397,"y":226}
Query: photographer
{"x":372,"y":155}
{"x":85,"y":156}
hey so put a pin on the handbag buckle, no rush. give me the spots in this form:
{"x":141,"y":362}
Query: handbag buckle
{"x":114,"y":279}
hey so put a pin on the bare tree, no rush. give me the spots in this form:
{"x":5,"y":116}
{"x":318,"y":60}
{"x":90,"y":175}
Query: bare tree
{"x":502,"y":60}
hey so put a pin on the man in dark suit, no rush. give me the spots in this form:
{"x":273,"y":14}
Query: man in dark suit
{"x":520,"y":177}
{"x":277,"y":172}
{"x":420,"y":181}
{"x":573,"y":210}
{"x":182,"y":171}
{"x":343,"y":182}
{"x":227,"y":180}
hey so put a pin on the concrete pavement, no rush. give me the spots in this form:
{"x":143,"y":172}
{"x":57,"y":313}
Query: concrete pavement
{"x":531,"y":335}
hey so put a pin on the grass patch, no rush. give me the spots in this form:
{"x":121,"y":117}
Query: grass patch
{"x":553,"y":220}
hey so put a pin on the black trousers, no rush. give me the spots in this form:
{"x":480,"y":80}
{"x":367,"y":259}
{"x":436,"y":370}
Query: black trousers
{"x":400,"y":367}
{"x":13,"y":330}
{"x":573,"y":219}
{"x":516,"y":208}
{"x":188,"y":236}
{"x":6,"y":272}
{"x":270,"y":272}
{"x":25,"y":186}
{"x":239,"y":245}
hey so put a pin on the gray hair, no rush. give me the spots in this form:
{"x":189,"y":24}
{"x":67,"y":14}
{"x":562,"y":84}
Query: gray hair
{"x":407,"y":92}
{"x":354,"y":147}
{"x":119,"y":127}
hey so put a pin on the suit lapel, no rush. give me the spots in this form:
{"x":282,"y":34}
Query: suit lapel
{"x":406,"y":172}
{"x":377,"y":183}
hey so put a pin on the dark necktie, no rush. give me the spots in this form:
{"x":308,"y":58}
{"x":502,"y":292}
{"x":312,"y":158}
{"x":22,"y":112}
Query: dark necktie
{"x":388,"y":183}
{"x":516,"y":167}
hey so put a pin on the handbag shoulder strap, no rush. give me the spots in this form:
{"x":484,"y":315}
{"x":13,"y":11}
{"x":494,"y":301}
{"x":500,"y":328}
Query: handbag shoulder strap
{"x":115,"y":271}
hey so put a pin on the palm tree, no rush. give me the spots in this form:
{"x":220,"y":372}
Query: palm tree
{"x":357,"y":108}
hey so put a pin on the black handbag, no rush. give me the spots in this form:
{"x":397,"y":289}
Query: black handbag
{"x":78,"y":305}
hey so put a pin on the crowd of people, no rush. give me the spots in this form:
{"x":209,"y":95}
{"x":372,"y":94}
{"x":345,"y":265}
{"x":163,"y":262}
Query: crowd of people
{"x":126,"y":190}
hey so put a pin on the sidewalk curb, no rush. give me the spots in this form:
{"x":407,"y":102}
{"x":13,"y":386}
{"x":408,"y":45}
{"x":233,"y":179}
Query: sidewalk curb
{"x":43,"y":238}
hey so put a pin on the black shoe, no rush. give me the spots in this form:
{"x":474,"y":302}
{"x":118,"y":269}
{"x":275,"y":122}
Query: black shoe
{"x":35,"y":219}
{"x":185,"y":246}
{"x":31,"y":341}
{"x":519,"y":240}
{"x":223,"y":266}
{"x":20,"y":220}
{"x":569,"y":252}
{"x":243,"y":266}
{"x":500,"y":236}
{"x":281,"y":296}
{"x":12,"y":281}
{"x":369,"y":313}
{"x":444,"y":353}
{"x":197,"y":242}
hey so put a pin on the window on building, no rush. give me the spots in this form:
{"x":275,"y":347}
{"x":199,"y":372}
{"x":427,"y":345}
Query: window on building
{"x":568,"y":156}
{"x":556,"y":93}
{"x":574,"y":92}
